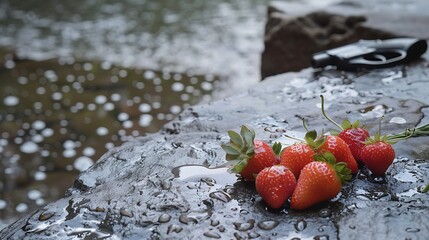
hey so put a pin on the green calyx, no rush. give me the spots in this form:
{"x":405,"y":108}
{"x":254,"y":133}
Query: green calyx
{"x":378,"y":138}
{"x":240,"y":147}
{"x":346,"y":124}
{"x":277,"y":148}
{"x":313,"y":140}
{"x":341,"y":169}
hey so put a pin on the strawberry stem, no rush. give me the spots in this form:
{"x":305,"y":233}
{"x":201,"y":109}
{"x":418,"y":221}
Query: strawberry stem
{"x":304,"y":124}
{"x":408,"y":133}
{"x":326,"y":116}
{"x":379,"y":125}
{"x":294,"y":138}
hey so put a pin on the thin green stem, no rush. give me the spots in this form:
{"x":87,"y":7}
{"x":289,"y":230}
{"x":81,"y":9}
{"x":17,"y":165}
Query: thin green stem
{"x":304,"y":124}
{"x":294,"y":138}
{"x":415,"y":132}
{"x":326,"y":116}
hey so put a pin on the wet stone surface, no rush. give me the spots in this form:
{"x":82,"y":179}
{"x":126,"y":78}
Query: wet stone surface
{"x":173,"y":184}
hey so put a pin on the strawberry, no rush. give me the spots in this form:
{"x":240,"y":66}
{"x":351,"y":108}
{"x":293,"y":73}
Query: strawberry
{"x":354,"y":136}
{"x":378,"y":154}
{"x":339,"y":148}
{"x":249,"y":156}
{"x":296,"y":156}
{"x":332,"y":144}
{"x":275,"y":185}
{"x":351,"y":133}
{"x":319,"y":181}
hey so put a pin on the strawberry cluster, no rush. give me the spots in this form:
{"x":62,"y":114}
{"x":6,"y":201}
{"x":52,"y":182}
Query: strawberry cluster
{"x":310,"y":171}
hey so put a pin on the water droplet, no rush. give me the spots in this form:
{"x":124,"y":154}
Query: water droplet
{"x":29,"y":147}
{"x":209,"y":181}
{"x":99,"y":209}
{"x":126,"y":212}
{"x":144,"y":108}
{"x":88,"y":151}
{"x":82,"y":163}
{"x":3,"y":204}
{"x":38,"y":125}
{"x":123,"y":116}
{"x":321,"y":237}
{"x":300,"y":225}
{"x":47,"y":132}
{"x":100,"y":99}
{"x":34,"y":194}
{"x":21,"y":207}
{"x":56,"y":96}
{"x":377,"y":179}
{"x":45,"y":216}
{"x":325,"y":212}
{"x":398,"y":120}
{"x":177,"y":87}
{"x":221,"y":228}
{"x":102,"y":131}
{"x":211,"y":234}
{"x":410,"y":229}
{"x":164,"y":218}
{"x":220,"y":195}
{"x":11,"y":101}
{"x":68,"y":153}
{"x":145,"y":120}
{"x":214,"y":222}
{"x":39,"y":176}
{"x":268,"y":225}
{"x":174,"y":228}
{"x":175,"y":109}
{"x":244,"y":226}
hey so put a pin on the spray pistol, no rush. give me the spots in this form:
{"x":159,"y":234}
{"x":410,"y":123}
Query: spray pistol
{"x":371,"y":54}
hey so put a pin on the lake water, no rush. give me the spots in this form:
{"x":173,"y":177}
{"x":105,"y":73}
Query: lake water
{"x":80,"y":77}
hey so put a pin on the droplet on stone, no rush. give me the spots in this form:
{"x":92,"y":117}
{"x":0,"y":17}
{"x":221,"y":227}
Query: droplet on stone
{"x":208,"y":180}
{"x":185,"y":219}
{"x":221,"y":228}
{"x":268,"y":225}
{"x":409,"y":229}
{"x":211,"y":234}
{"x":99,"y":209}
{"x":126,"y":212}
{"x":325,"y":212}
{"x":220,"y":195}
{"x":321,"y":237}
{"x":214,"y":222}
{"x":164,"y":218}
{"x":300,"y":225}
{"x":174,"y":228}
{"x":244,"y":226}
{"x":45,"y":216}
{"x":208,"y":202}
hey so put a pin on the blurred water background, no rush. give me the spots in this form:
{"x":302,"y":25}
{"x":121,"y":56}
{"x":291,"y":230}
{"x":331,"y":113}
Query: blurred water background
{"x":78,"y":77}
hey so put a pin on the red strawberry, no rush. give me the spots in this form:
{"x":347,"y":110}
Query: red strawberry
{"x":378,"y":154}
{"x":319,"y":181}
{"x":354,"y":136}
{"x":351,"y":133}
{"x":275,"y":185}
{"x":339,"y":148}
{"x":295,"y":157}
{"x":249,"y":156}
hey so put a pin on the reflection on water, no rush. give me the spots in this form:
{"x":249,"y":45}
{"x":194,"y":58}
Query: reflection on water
{"x":59,"y":116}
